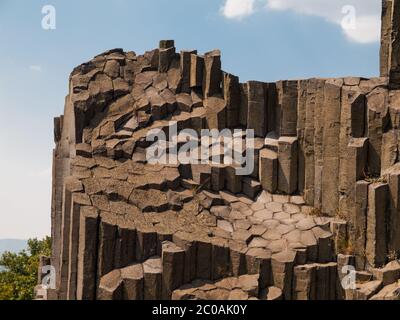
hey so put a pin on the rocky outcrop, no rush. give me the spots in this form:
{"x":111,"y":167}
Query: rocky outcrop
{"x":324,"y":181}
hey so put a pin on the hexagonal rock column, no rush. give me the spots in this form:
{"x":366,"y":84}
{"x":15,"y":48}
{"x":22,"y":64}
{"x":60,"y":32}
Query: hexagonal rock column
{"x":315,"y":282}
{"x":122,"y":284}
{"x":330,"y":153}
{"x":304,"y":282}
{"x":212,"y":74}
{"x":152,"y":271}
{"x":282,"y":272}
{"x":186,"y":241}
{"x":393,"y":175}
{"x":258,"y":261}
{"x":389,"y":274}
{"x":376,"y":247}
{"x":269,"y":170}
{"x":390,"y":42}
{"x":286,"y":113}
{"x":196,"y":70}
{"x":287,"y":167}
{"x":231,"y":92}
{"x":173,"y":262}
{"x":357,"y":232}
{"x":87,"y":251}
{"x":354,"y":168}
{"x":377,"y":117}
{"x":132,"y":278}
{"x":110,"y":287}
{"x":186,"y":68}
{"x":166,"y":55}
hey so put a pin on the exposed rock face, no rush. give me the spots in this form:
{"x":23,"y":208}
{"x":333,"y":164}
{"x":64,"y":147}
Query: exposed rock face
{"x":325,"y":181}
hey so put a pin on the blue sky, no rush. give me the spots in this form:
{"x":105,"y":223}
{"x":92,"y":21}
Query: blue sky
{"x":264,"y":40}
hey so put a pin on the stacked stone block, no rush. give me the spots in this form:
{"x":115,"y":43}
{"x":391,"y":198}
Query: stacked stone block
{"x":325,"y":181}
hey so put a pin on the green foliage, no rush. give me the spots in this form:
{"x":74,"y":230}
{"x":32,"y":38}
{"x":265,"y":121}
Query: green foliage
{"x":19,"y":278}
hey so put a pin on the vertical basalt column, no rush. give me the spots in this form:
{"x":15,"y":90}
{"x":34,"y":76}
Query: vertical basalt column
{"x":386,"y":37}
{"x":331,"y":133}
{"x":287,"y":108}
{"x":244,"y":104}
{"x":231,"y":92}
{"x":301,"y":128}
{"x":309,"y":138}
{"x":376,"y":246}
{"x":186,"y":242}
{"x":256,"y":109}
{"x":318,"y":142}
{"x":353,"y":170}
{"x":358,"y":228}
{"x":258,"y":261}
{"x":219,"y":258}
{"x":282,"y":270}
{"x":106,"y":244}
{"x":133,"y":282}
{"x":287,"y":165}
{"x":304,"y":282}
{"x":166,"y":55}
{"x":87,"y":253}
{"x":326,"y":277}
{"x":196,"y":70}
{"x":152,"y":274}
{"x":173,"y":262}
{"x":394,"y":202}
{"x":394,"y":58}
{"x":125,"y":244}
{"x":212,"y":74}
{"x":269,"y":170}
{"x":64,"y":252}
{"x":237,"y":258}
{"x":146,"y":242}
{"x":73,"y":244}
{"x":186,"y":69}
{"x":377,"y":117}
{"x":352,"y":124}
{"x":203,"y":259}
{"x":60,"y":170}
{"x":390,"y":42}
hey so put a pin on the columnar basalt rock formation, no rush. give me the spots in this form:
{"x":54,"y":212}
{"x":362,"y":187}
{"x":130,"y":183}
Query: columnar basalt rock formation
{"x":324,"y":192}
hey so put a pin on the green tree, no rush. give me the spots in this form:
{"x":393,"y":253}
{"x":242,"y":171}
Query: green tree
{"x":20,"y":273}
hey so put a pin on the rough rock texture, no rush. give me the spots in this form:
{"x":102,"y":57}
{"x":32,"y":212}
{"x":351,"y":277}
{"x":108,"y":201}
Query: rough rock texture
{"x":325,"y":181}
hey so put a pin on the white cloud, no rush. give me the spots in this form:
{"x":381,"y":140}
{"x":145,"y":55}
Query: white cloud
{"x":367,"y":13}
{"x":35,"y":68}
{"x":238,"y":9}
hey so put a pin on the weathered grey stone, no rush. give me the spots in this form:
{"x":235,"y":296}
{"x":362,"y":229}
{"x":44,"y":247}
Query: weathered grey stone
{"x":231,"y":92}
{"x":331,"y":134}
{"x":110,"y":286}
{"x":133,"y":282}
{"x":268,"y":170}
{"x":256,"y":110}
{"x":186,"y":69}
{"x":212,"y":74}
{"x":389,"y":274}
{"x":286,"y":109}
{"x":359,"y":224}
{"x":282,"y":271}
{"x":152,"y":273}
{"x":376,"y":246}
{"x":287,"y":167}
